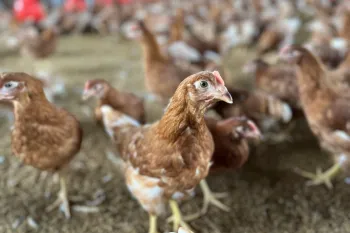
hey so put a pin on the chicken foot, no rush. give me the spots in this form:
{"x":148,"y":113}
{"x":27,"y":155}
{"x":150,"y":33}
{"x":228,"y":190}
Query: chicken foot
{"x":152,"y":224}
{"x":321,"y":177}
{"x":209,"y":198}
{"x":177,"y":217}
{"x":62,"y":199}
{"x":212,"y":198}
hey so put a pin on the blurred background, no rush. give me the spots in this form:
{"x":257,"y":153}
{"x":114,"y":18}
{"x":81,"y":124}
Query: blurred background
{"x":67,"y":42}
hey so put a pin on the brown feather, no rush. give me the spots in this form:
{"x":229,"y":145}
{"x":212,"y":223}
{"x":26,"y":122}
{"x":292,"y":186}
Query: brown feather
{"x":44,"y":136}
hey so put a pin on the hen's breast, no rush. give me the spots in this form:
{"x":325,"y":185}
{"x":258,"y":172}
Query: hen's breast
{"x":196,"y":154}
{"x":179,"y":166}
{"x":45,"y":147}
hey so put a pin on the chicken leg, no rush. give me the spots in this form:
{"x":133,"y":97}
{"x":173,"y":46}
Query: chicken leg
{"x":152,"y":224}
{"x":177,"y":216}
{"x":323,"y":177}
{"x":62,"y":199}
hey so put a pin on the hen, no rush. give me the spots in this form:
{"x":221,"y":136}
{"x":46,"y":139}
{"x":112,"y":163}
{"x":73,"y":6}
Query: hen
{"x":231,"y":141}
{"x":279,"y":81}
{"x":124,"y":102}
{"x":162,"y":75}
{"x":44,"y":136}
{"x":278,"y":34}
{"x":326,"y":110}
{"x":166,"y":160}
{"x":39,"y":45}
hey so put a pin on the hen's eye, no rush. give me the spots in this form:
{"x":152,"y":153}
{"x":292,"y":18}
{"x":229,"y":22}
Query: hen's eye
{"x":204,"y":84}
{"x":8,"y":85}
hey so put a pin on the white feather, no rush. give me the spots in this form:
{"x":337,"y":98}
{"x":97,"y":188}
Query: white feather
{"x":12,"y":42}
{"x":342,"y":135}
{"x":339,"y":44}
{"x":181,"y":50}
{"x":198,"y":172}
{"x":292,"y":25}
{"x":156,"y":8}
{"x":162,"y":39}
{"x":212,"y":56}
{"x":287,"y":113}
{"x":316,"y":26}
{"x":342,"y":158}
{"x":110,"y":122}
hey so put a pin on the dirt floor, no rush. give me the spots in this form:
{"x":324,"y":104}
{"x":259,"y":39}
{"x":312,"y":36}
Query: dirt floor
{"x":266,"y":196}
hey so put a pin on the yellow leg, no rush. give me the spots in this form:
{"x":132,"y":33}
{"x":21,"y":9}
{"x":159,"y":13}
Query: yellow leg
{"x":321,"y":177}
{"x":152,"y":224}
{"x":62,"y":199}
{"x":177,"y":217}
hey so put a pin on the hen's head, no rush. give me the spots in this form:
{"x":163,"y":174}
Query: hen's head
{"x":138,"y":30}
{"x":238,"y":127}
{"x":17,"y":87}
{"x":95,"y":87}
{"x":293,"y":53}
{"x":254,"y":65}
{"x":204,"y":89}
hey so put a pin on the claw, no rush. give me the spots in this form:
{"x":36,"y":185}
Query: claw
{"x":320,"y":177}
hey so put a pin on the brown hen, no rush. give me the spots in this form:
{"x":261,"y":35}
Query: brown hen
{"x":124,"y":102}
{"x":44,"y":136}
{"x":39,"y":45}
{"x":166,"y":160}
{"x":231,"y":141}
{"x":326,"y":110}
{"x":162,"y":75}
{"x":279,"y":81}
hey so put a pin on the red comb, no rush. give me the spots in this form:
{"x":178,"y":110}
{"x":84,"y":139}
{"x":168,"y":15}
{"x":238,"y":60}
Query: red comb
{"x":134,"y":27}
{"x":253,"y":127}
{"x":87,"y":85}
{"x":285,"y":49}
{"x":218,"y":77}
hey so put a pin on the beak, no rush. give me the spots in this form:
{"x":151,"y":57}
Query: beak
{"x":224,"y":95}
{"x":87,"y":94}
{"x":5,"y":96}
